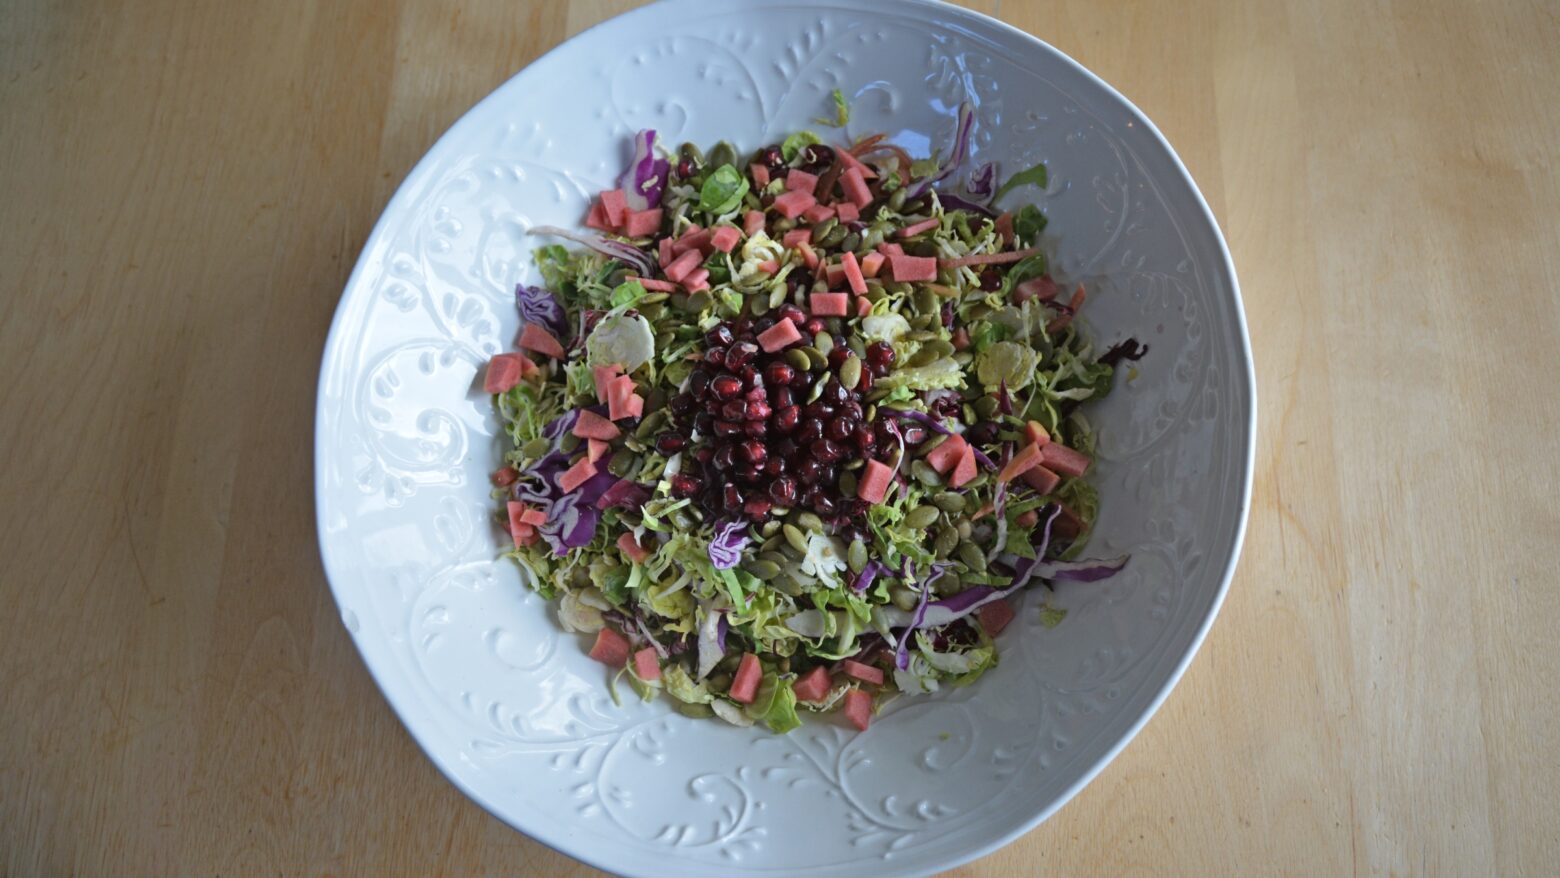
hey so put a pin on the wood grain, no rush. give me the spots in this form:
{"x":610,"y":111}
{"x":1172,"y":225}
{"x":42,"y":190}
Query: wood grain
{"x":184,"y":188}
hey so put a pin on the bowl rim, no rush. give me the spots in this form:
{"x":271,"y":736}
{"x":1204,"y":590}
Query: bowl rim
{"x":1247,"y":384}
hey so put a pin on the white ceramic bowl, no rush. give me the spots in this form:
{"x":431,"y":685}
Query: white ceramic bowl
{"x":509,"y":706}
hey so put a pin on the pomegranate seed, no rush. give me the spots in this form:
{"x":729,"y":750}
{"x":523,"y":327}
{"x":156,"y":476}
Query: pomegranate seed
{"x":704,"y":454}
{"x":670,"y":443}
{"x":684,"y":485}
{"x":683,"y":405}
{"x":704,"y":422}
{"x":990,"y":279}
{"x":731,"y":495}
{"x":814,"y":326}
{"x":757,"y":507}
{"x":715,"y":357}
{"x":852,"y":410}
{"x":809,"y":472}
{"x":775,"y":466}
{"x":726,"y":387}
{"x":725,"y":458}
{"x":865,"y":384}
{"x":757,"y":411}
{"x":862,"y":435}
{"x":756,"y":394}
{"x":726,"y":429}
{"x":740,"y":354}
{"x":793,"y":314}
{"x":783,"y":491}
{"x":835,"y":393}
{"x":781,"y":397}
{"x":787,"y":418}
{"x":801,"y":380}
{"x":750,"y":474}
{"x":826,"y":451}
{"x":810,"y":431}
{"x":784,"y":448}
{"x":824,"y":506}
{"x":839,"y":429}
{"x":685,"y":168}
{"x":720,"y":336}
{"x":914,"y":434}
{"x":779,"y":374}
{"x":754,"y":452}
{"x":881,"y":354}
{"x":838,"y":356}
{"x":756,"y":429}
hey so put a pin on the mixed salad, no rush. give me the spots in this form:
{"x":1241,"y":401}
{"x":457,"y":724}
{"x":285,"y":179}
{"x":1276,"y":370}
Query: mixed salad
{"x":789,"y":430}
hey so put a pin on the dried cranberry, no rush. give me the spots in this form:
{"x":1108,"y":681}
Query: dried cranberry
{"x":824,"y":505}
{"x":817,"y":156}
{"x":670,"y":443}
{"x":983,"y":433}
{"x":685,"y":168}
{"x":863,"y":438}
{"x":865,"y":384}
{"x":990,"y":279}
{"x":852,"y":410}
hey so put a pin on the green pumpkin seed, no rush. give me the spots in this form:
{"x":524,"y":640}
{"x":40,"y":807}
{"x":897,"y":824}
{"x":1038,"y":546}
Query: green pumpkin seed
{"x":921,"y":517}
{"x":769,"y":528}
{"x":948,"y":501}
{"x":965,"y":528}
{"x":798,"y":359}
{"x":973,"y":557}
{"x":904,"y":598}
{"x":771,"y":544}
{"x":682,"y":520}
{"x":824,"y":342}
{"x":848,"y":483}
{"x":948,"y":584}
{"x":782,"y":225}
{"x":924,"y":474}
{"x":947,"y":541}
{"x":774,"y":556}
{"x":822,"y":230}
{"x":850,"y":373}
{"x":942,"y":346}
{"x":623,"y":463}
{"x":986,"y":406}
{"x":964,"y":358}
{"x":856,"y":556}
{"x":852,"y":242}
{"x":923,"y":357}
{"x":809,"y":522}
{"x":899,"y":287}
{"x":692,"y":710}
{"x":925,"y":301}
{"x":692,"y":153}
{"x":853,"y":465}
{"x":536,"y":448}
{"x":786,"y":584}
{"x":569,"y":443}
{"x":700,"y":301}
{"x":650,"y":425}
{"x":767,"y":570}
{"x":896,"y":201}
{"x":969,"y":416}
{"x":652,"y":299}
{"x":819,"y":359}
{"x":722,"y":154}
{"x":878,"y":394}
{"x":835,"y":237}
{"x":720,"y":682}
{"x":978,"y":311}
{"x":793,"y":535}
{"x":921,"y":335}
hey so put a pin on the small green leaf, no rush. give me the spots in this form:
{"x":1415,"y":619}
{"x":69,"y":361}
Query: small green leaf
{"x":841,"y":112}
{"x":627,"y":293}
{"x":1028,"y":225}
{"x":1035,"y":175}
{"x":723,"y":191}
{"x":792,"y":146}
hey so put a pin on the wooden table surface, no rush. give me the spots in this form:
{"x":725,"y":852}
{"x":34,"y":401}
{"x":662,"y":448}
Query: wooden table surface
{"x":184,"y":188}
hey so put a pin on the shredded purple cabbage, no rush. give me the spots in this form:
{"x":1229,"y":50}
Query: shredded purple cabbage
{"x":871,"y":572}
{"x":1086,"y":570}
{"x":954,"y":202}
{"x":645,"y":630}
{"x":727,"y":544}
{"x":625,"y":494}
{"x":538,"y":306}
{"x":902,"y":651}
{"x":645,"y":176}
{"x":961,"y":151}
{"x":936,"y":426}
{"x":632,"y":256}
{"x":983,"y":181}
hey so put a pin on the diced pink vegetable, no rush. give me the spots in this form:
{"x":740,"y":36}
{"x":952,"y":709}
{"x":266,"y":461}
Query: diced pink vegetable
{"x":657,"y":286}
{"x":890,"y":248}
{"x":1064,"y":460}
{"x":795,"y":236}
{"x":666,"y":254}
{"x":988,"y":258}
{"x":945,"y":456}
{"x":995,"y":616}
{"x":615,"y":205}
{"x":815,"y":684}
{"x":535,"y":338}
{"x":1035,"y":432}
{"x":604,"y":376}
{"x":632,"y":548}
{"x":847,"y":212}
{"x":914,"y":229}
{"x":642,"y":223}
{"x":1042,"y":288}
{"x":523,"y":534}
{"x":725,"y":238}
{"x":534,"y":517}
{"x":801,"y":181}
{"x":745,"y":685}
{"x":505,"y":476}
{"x":965,"y":471}
{"x":576,"y":475}
{"x":779,"y":337}
{"x":1041,"y":479}
{"x":1067,"y":524}
{"x":760,"y":175}
{"x":864,"y":673}
{"x":596,"y":218}
{"x":858,"y":708}
{"x":809,"y":258}
{"x":698,"y":279}
{"x":593,"y":426}
{"x":873,"y":484}
{"x":872,"y":263}
{"x":611,"y":648}
{"x":693,"y":239}
{"x":753,"y":222}
{"x":834,"y":274}
{"x":912,"y":268}
{"x":503,"y":372}
{"x":1027,"y":458}
{"x":596,"y":449}
{"x":634,"y":406}
{"x":769,"y":266}
{"x":647,"y":664}
{"x":619,"y":393}
{"x":853,"y":275}
{"x":863,"y":307}
{"x":850,"y":161}
{"x":793,"y":204}
{"x":854,"y":183}
{"x":829,"y":304}
{"x":817,"y":213}
{"x":683,"y":265}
